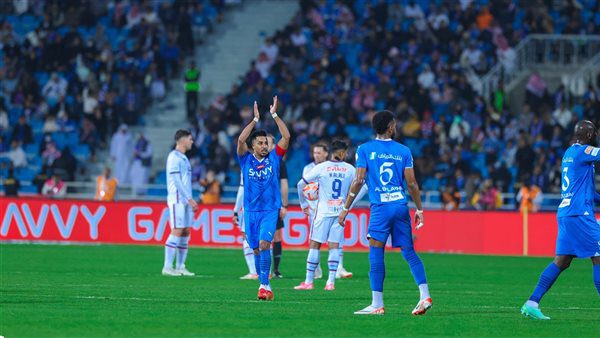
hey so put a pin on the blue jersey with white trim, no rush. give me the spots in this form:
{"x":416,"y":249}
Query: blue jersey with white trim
{"x":385,"y":161}
{"x":577,"y":188}
{"x":261,"y":181}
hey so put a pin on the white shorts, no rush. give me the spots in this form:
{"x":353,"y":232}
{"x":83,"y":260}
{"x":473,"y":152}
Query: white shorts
{"x":326,"y":229}
{"x":180,"y":215}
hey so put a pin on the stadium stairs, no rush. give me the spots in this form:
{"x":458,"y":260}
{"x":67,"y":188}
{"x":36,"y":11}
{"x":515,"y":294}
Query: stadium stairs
{"x":222,"y":59}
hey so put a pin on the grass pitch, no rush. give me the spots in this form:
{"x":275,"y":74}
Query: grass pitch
{"x":105,"y":291}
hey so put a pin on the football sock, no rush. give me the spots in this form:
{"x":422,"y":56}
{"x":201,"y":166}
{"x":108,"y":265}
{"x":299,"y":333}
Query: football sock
{"x":597,"y":277}
{"x":416,"y":266}
{"x":276,"y":255}
{"x":182,"y":250}
{"x":311,"y":264}
{"x":547,"y":278}
{"x":377,"y":271}
{"x":265,"y":266}
{"x":249,"y":256}
{"x":341,"y":255}
{"x":332,"y":264}
{"x":377,"y":299}
{"x":170,"y":250}
{"x":257,"y":264}
{"x":424,"y":290}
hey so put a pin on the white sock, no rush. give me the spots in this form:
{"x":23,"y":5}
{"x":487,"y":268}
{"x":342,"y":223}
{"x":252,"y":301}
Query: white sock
{"x":341,"y":254}
{"x":377,"y":299}
{"x":532,"y":304}
{"x":424,"y":289}
{"x":182,"y":250}
{"x":266,"y":287}
{"x":311,"y":265}
{"x":332,"y":264}
{"x":249,"y":256}
{"x":170,"y":250}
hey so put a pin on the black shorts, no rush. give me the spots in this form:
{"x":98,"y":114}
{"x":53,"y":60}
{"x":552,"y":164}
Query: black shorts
{"x":280,"y":223}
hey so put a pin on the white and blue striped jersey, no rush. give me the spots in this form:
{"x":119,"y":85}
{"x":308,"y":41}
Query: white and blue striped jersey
{"x":179,"y":178}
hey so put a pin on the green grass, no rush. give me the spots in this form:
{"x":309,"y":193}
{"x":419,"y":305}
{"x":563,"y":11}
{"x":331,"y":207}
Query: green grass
{"x":102,"y":291}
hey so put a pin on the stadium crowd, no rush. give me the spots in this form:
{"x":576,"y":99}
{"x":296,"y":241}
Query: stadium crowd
{"x":338,"y":62}
{"x":333,"y":66}
{"x":71,"y":72}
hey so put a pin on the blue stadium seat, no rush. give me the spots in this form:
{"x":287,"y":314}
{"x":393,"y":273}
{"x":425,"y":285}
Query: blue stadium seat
{"x":81,"y":152}
{"x":25,"y":174}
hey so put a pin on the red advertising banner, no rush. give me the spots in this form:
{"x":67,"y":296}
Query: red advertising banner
{"x":472,"y":232}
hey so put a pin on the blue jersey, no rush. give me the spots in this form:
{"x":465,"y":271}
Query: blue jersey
{"x":261,"y":181}
{"x":385,"y":161}
{"x":578,"y":181}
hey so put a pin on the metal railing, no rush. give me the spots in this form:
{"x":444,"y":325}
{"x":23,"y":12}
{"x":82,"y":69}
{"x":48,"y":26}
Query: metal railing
{"x":540,"y":52}
{"x":431,"y":199}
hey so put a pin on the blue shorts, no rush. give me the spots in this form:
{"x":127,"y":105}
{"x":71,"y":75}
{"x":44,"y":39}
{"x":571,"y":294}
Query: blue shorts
{"x":392,"y":219}
{"x":578,"y":236}
{"x":260,"y":226}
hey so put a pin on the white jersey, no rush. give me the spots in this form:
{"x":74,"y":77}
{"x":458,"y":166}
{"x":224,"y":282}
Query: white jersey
{"x":307,"y":168}
{"x":179,"y":178}
{"x":334,"y":180}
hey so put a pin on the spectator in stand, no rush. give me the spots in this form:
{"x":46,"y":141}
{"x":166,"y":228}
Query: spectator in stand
{"x":120,"y":153}
{"x":141,"y":165}
{"x":66,"y":164}
{"x":488,"y":198}
{"x":563,"y":116}
{"x":106,"y":186}
{"x":450,"y":198}
{"x":22,"y":131}
{"x":54,"y":187}
{"x":529,"y":196}
{"x":49,"y":155}
{"x":192,"y":87}
{"x":11,"y":184}
{"x":212,"y":189}
{"x":525,"y":157}
{"x":89,"y":136}
{"x":16,"y":155}
{"x":55,"y":89}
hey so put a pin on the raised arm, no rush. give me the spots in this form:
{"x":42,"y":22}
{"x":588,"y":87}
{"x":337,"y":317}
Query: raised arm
{"x":283,"y":130}
{"x":242,"y":147}
{"x":415,"y":193}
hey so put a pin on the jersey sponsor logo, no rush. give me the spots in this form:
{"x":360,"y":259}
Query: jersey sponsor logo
{"x":389,"y":157}
{"x":588,"y":150}
{"x":337,"y":169}
{"x":565,"y":203}
{"x":260,"y":173}
{"x":373,"y":154}
{"x":391,"y":197}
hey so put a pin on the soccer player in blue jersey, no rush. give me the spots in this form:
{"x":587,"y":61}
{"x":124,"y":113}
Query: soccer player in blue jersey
{"x":262,"y":196}
{"x":578,"y":231}
{"x":386,"y":165}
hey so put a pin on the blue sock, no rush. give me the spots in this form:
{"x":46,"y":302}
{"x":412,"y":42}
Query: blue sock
{"x":265,"y":266}
{"x":416,"y":266}
{"x":257,"y":263}
{"x":547,"y":278}
{"x":597,"y":278}
{"x":377,"y":272}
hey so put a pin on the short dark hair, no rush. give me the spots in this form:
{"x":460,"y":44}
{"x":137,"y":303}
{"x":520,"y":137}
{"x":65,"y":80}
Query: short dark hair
{"x":181,"y":133}
{"x":337,"y":145}
{"x":381,"y":121}
{"x":257,"y":133}
{"x":321,"y":145}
